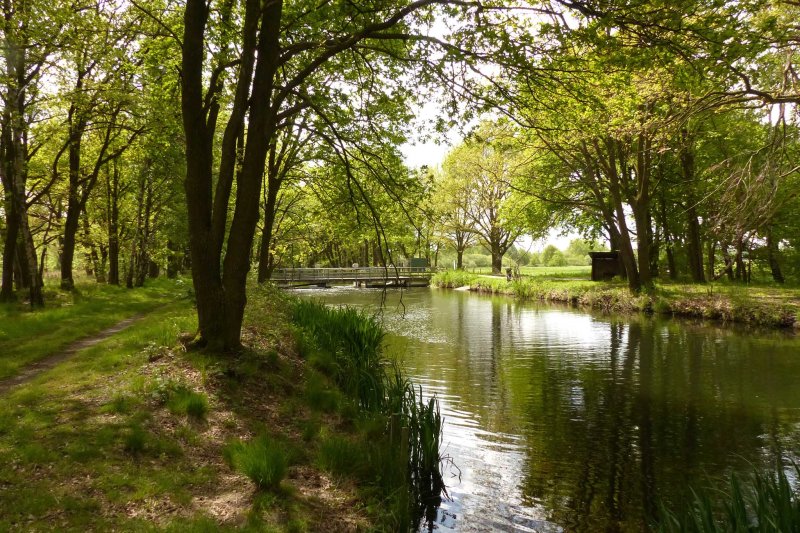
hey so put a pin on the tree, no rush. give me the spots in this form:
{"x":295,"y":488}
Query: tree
{"x":284,"y":48}
{"x":452,"y":197}
{"x":486,"y":164}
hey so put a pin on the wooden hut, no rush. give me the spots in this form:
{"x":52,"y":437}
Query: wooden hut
{"x":605,"y":265}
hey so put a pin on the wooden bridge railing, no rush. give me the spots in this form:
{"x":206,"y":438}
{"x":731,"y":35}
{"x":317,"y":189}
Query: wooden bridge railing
{"x":349,"y":274}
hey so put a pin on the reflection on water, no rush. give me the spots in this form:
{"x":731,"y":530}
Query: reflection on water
{"x":562,"y":420}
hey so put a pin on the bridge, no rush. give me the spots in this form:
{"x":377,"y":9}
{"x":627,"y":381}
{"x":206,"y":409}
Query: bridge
{"x":371,"y":277}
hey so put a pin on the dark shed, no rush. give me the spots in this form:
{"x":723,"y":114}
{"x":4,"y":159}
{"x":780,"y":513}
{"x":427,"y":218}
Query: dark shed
{"x":605,"y":265}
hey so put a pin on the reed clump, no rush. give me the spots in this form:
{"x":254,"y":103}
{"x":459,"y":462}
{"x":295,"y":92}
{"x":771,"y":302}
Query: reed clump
{"x":766,"y":503}
{"x":403,"y":456}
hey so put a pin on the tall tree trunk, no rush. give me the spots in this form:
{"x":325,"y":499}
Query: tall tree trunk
{"x":726,"y":256}
{"x":712,"y":249}
{"x":740,"y":272}
{"x":673,"y":272}
{"x":74,"y":206}
{"x":174,"y":260}
{"x":694,"y":245}
{"x":497,"y":259}
{"x":9,"y":253}
{"x":772,"y":256}
{"x":264,"y":270}
{"x":34,"y":279}
{"x":625,"y":245}
{"x":112,"y":206}
{"x":643,"y":246}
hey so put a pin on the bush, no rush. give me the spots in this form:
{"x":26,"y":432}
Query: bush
{"x":262,"y":460}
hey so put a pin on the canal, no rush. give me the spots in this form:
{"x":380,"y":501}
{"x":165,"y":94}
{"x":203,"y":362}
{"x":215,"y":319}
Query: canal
{"x":563,"y":420}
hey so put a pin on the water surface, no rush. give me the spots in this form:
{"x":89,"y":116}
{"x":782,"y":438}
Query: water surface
{"x":562,"y":420}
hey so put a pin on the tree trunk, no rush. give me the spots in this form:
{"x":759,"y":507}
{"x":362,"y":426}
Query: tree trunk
{"x":497,"y":260}
{"x":174,"y":260}
{"x":9,"y":253}
{"x":694,"y":245}
{"x":726,"y":256}
{"x":34,"y":279}
{"x":740,"y":273}
{"x":772,"y":257}
{"x":712,"y":248}
{"x":460,"y":259}
{"x":74,"y":206}
{"x":643,"y":246}
{"x":112,"y":206}
{"x":625,"y":245}
{"x":264,"y":270}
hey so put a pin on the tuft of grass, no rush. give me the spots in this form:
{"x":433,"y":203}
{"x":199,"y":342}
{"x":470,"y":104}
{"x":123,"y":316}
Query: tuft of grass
{"x":188,"y":402}
{"x":121,"y":404}
{"x":262,"y":459}
{"x":319,"y":395}
{"x":135,"y":440}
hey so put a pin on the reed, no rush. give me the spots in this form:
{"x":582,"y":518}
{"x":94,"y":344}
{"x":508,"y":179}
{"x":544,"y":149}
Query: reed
{"x":766,"y":504}
{"x":408,"y":461}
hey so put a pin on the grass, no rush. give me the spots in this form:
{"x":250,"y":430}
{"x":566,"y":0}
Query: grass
{"x":27,"y":336}
{"x":107,"y":440}
{"x":71,"y":433}
{"x":765,"y":503}
{"x":566,"y":272}
{"x":262,"y":459}
{"x":403,"y":466}
{"x":761,"y":305}
{"x":187,"y":402}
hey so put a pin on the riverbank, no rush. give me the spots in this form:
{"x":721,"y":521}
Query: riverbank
{"x":135,"y":432}
{"x":759,"y":306}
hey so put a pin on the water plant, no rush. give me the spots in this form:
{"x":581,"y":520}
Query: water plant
{"x":767,"y":503}
{"x":408,"y":462}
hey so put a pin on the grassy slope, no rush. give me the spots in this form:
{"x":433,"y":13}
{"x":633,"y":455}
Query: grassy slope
{"x":27,"y":336}
{"x":96,"y":443}
{"x":762,"y":305}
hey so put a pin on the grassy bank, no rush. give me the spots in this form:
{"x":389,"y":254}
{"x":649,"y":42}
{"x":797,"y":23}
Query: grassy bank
{"x":761,"y":306}
{"x":135,"y":433}
{"x":27,"y":336}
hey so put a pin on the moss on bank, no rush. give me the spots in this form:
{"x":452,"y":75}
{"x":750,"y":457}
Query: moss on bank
{"x":760,"y":306}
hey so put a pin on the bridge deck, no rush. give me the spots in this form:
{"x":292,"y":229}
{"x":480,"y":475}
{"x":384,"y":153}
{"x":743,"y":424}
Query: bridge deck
{"x":360,"y":275}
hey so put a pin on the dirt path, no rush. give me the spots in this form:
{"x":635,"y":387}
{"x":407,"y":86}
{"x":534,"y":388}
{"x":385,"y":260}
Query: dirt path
{"x":32,"y":370}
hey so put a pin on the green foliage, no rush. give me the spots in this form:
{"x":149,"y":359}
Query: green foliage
{"x":135,"y":440}
{"x":182,"y":400}
{"x":356,"y":340}
{"x":768,"y":503}
{"x":262,"y":459}
{"x":453,"y":279}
